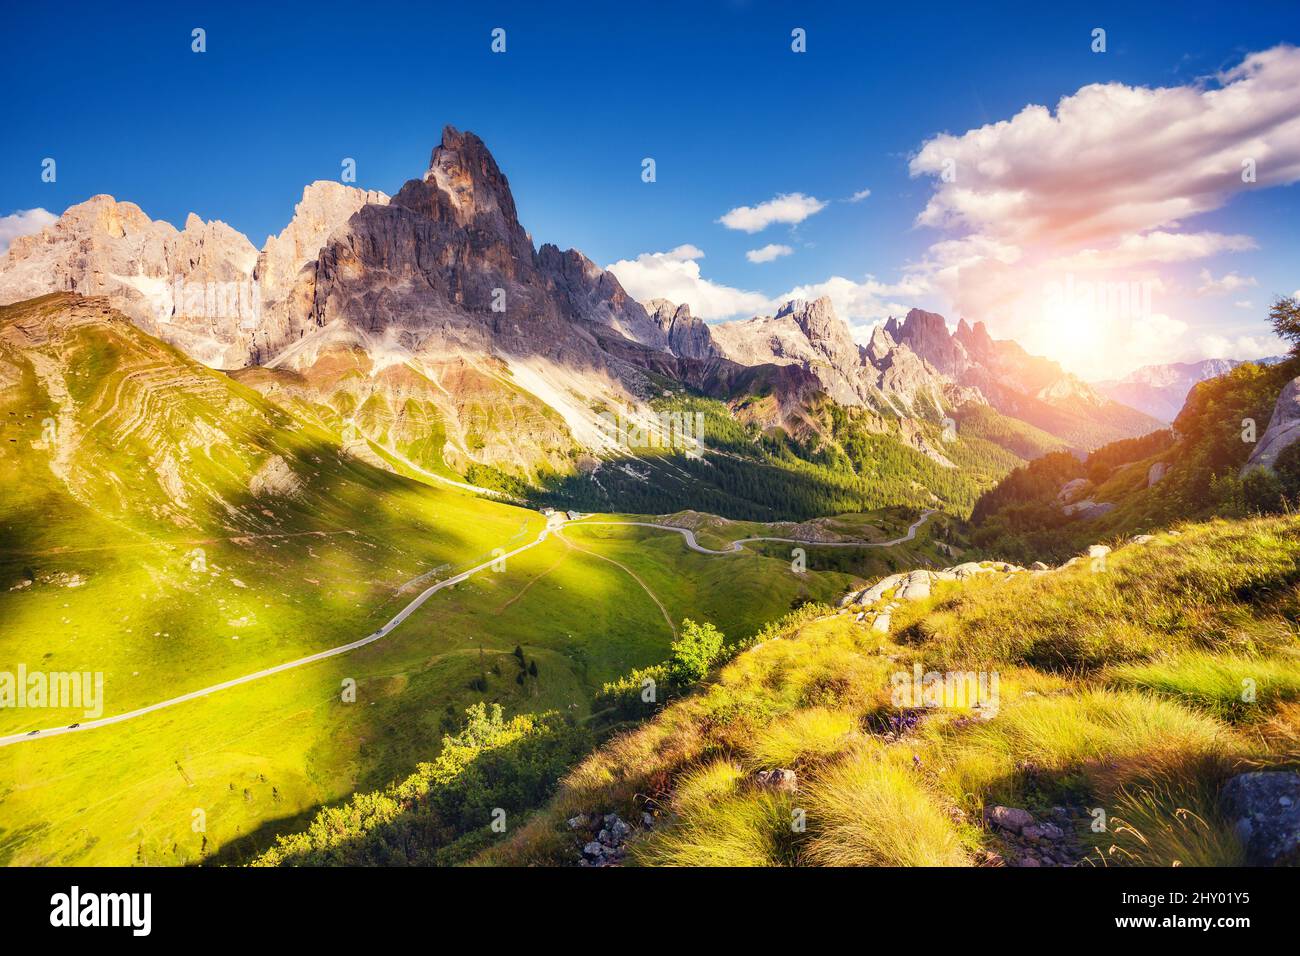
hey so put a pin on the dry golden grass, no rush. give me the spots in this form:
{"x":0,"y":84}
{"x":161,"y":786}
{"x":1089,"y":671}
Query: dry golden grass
{"x":867,"y":810}
{"x":1115,"y":688}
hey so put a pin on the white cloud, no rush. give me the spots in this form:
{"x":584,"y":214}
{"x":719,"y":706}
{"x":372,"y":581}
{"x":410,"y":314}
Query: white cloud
{"x":675,"y":275}
{"x":24,"y":222}
{"x":769,"y":252}
{"x":1155,"y":247}
{"x":1115,"y":160}
{"x":1099,"y":190}
{"x":1244,"y":304}
{"x":1229,"y":283}
{"x":1243,"y":347}
{"x":860,"y":304}
{"x":787,"y":208}
{"x":860,"y":195}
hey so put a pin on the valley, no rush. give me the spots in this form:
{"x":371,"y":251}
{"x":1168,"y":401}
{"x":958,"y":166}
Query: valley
{"x":363,"y":564}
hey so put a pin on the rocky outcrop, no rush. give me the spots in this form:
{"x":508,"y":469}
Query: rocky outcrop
{"x":916,"y":585}
{"x":1072,"y":489}
{"x":286,"y":266}
{"x":324,"y":207}
{"x":1028,"y":387}
{"x":1264,"y":810}
{"x":191,"y":287}
{"x":1088,"y":509}
{"x":688,"y":337}
{"x":275,"y":478}
{"x":606,"y":837}
{"x":884,"y":376}
{"x":1031,"y":842}
{"x":595,"y":296}
{"x":926,"y":333}
{"x":1283,"y":429}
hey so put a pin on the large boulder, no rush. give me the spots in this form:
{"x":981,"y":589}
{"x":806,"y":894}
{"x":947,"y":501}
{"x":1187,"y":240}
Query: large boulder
{"x":1008,"y":818}
{"x":916,"y":587}
{"x":780,"y":780}
{"x":1264,"y":809}
{"x":1072,"y":489}
{"x":1283,"y":429}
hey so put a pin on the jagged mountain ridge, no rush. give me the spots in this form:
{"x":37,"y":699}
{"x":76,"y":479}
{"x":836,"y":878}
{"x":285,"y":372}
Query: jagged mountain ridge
{"x":1028,"y":387}
{"x":1160,"y":390}
{"x":430,"y":323}
{"x":885,"y":376}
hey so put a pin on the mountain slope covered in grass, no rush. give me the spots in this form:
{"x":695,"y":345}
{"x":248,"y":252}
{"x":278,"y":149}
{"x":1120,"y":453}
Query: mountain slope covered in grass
{"x":1193,"y":471}
{"x":1119,"y":699}
{"x":171,"y":528}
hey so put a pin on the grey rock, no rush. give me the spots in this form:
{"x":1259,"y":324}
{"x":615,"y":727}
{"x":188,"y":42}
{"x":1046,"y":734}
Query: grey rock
{"x":782,"y":781}
{"x":1283,"y":429}
{"x":1008,"y":818}
{"x":1042,"y":831}
{"x":1264,"y":809}
{"x":1071,"y":490}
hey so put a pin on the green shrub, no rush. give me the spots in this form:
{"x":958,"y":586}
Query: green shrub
{"x":695,"y":649}
{"x":492,"y":763}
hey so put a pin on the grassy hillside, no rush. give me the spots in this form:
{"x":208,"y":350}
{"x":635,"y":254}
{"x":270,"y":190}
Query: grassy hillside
{"x":174,"y":528}
{"x":1022,"y":518}
{"x":852,"y":461}
{"x":1119,"y":698}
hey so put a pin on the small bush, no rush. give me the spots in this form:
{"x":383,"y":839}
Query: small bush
{"x":695,"y":649}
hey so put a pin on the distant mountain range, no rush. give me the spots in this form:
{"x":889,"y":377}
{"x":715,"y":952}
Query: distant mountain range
{"x":1160,"y":390}
{"x":426,"y":325}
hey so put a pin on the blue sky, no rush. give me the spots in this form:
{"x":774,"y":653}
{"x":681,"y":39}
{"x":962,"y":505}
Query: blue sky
{"x":711,"y":91}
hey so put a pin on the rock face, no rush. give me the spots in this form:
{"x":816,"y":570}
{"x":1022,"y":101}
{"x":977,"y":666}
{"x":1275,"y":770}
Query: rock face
{"x":191,"y":287}
{"x":286,"y":266}
{"x":1264,"y":808}
{"x":1033,"y":389}
{"x":1088,"y":509}
{"x":1072,"y":489}
{"x":927,"y":334}
{"x":205,"y":289}
{"x":325,"y":206}
{"x":1283,"y":429}
{"x":1008,"y":818}
{"x":781,"y":780}
{"x":1161,"y":390}
{"x":687,"y":336}
{"x":885,"y":376}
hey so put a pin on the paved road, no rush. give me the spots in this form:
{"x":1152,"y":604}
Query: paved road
{"x":735,"y":546}
{"x":553,"y":525}
{"x":383,"y":632}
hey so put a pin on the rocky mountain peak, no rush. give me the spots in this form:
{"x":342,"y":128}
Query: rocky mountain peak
{"x":325,"y":206}
{"x":465,"y":187}
{"x":687,"y":336}
{"x":824,"y":330}
{"x":974,"y":338}
{"x":880,"y":345}
{"x":926,"y":333}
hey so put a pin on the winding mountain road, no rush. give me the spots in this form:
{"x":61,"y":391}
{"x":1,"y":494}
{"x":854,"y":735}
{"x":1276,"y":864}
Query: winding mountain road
{"x":738,"y":545}
{"x":555,"y":523}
